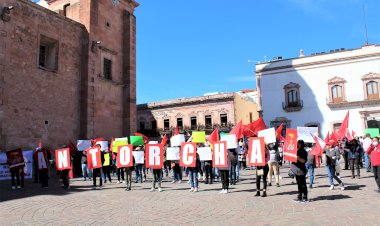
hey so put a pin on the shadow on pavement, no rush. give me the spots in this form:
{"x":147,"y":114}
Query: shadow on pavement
{"x":330,"y":197}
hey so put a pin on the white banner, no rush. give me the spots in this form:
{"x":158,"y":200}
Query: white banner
{"x":305,"y":134}
{"x":177,"y":140}
{"x":231,"y":140}
{"x":268,"y":134}
{"x":139,"y":157}
{"x":204,"y":153}
{"x":82,"y":145}
{"x":103,"y":145}
{"x":28,"y":169}
{"x":172,"y":153}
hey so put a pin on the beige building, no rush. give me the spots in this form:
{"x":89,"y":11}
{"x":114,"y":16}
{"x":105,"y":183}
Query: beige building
{"x":223,"y":110}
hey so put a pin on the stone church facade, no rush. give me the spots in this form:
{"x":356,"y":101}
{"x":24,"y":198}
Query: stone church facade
{"x":67,"y":71}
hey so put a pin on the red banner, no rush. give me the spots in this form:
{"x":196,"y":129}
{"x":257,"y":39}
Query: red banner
{"x":94,"y":160}
{"x":124,"y":156}
{"x":290,"y":146}
{"x":154,"y":156}
{"x":188,"y":155}
{"x":62,"y":157}
{"x":15,"y":158}
{"x":256,"y":152}
{"x":219,"y":154}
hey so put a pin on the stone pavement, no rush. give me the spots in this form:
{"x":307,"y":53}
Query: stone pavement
{"x":357,"y":205}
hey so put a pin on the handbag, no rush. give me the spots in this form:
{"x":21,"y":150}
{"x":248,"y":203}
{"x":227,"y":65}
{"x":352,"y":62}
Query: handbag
{"x":296,"y":170}
{"x":260,"y":172}
{"x":291,"y":174}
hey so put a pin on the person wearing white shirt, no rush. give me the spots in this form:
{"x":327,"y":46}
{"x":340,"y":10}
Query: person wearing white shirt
{"x":366,"y":143}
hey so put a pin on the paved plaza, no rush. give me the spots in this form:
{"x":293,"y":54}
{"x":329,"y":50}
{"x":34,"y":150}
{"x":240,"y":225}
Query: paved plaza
{"x":357,"y":205}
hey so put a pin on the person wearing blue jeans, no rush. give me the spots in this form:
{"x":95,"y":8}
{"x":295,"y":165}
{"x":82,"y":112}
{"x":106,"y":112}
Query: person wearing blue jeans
{"x":138,"y":169}
{"x":177,"y":173}
{"x":193,"y":171}
{"x":332,"y":156}
{"x":310,"y":165}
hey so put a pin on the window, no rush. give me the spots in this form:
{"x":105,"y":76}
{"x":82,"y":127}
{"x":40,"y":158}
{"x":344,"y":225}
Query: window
{"x":166,"y":124}
{"x":107,"y":69}
{"x":193,"y":122}
{"x":336,"y":126}
{"x":336,"y":92}
{"x":142,"y":126}
{"x":48,"y":53}
{"x":179,"y":122}
{"x":292,"y":98}
{"x":372,"y":90}
{"x":208,"y":121}
{"x":223,"y":120}
{"x":154,"y":125}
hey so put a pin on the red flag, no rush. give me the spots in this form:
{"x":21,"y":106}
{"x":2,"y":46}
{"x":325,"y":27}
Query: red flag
{"x":72,"y":148}
{"x":93,"y":142}
{"x":164,"y":140}
{"x":327,"y":138}
{"x":348,"y":135}
{"x":214,"y":136}
{"x":333,"y":137}
{"x":254,"y":127}
{"x":344,"y":127}
{"x":146,"y":139}
{"x":238,"y":130}
{"x":319,"y":146}
{"x":176,"y":130}
{"x":353,"y":134}
{"x":278,"y":133}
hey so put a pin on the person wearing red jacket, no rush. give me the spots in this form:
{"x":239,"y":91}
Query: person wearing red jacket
{"x":374,"y":152}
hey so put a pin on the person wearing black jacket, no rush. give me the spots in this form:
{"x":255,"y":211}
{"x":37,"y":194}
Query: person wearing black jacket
{"x":97,"y":173}
{"x":128,"y":175}
{"x":301,"y":172}
{"x":234,"y":162}
{"x":193,"y":171}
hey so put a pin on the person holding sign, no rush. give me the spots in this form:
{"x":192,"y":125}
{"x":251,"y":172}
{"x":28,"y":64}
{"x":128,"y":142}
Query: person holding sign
{"x":41,"y":159}
{"x":16,"y":164}
{"x":95,"y":159}
{"x":107,"y":167}
{"x":374,"y":152}
{"x":273,"y":164}
{"x":299,"y":169}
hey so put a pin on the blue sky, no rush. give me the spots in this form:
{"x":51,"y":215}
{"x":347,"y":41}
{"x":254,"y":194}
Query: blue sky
{"x":188,"y":48}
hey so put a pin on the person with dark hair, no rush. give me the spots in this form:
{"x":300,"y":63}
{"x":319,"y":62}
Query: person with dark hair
{"x":224,"y":173}
{"x":374,"y":152}
{"x":354,"y":156}
{"x":233,"y":166}
{"x":332,"y":156}
{"x":97,"y":172}
{"x":299,"y":169}
{"x":366,"y":143}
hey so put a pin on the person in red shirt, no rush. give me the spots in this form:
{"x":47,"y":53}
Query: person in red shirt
{"x":374,"y":152}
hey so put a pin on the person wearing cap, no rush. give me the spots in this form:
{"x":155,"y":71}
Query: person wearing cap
{"x":332,"y":156}
{"x":374,"y":152}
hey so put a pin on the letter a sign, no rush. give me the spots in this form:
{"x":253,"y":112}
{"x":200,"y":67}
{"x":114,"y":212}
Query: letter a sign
{"x":188,"y":155}
{"x":219,"y":155}
{"x":154,"y":156}
{"x":62,"y":157}
{"x":124,"y":156}
{"x":256,"y":152}
{"x":93,"y":158}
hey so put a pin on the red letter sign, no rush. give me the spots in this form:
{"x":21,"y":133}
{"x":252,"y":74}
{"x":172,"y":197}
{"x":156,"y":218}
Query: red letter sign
{"x":124,"y":156}
{"x":188,"y":155}
{"x":219,"y":155}
{"x":15,"y":158}
{"x":290,"y":145}
{"x":62,"y":157}
{"x":256,"y":152}
{"x":41,"y":159}
{"x":154,"y":156}
{"x":93,"y":158}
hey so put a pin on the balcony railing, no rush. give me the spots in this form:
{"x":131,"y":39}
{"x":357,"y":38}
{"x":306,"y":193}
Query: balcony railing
{"x":292,"y":106}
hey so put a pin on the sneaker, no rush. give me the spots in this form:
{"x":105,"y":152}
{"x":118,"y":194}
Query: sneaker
{"x":123,"y":181}
{"x":152,"y":190}
{"x":297,"y":200}
{"x":278,"y":185}
{"x":191,"y":190}
{"x":173,"y":181}
{"x":188,"y":181}
{"x":118,"y":182}
{"x":264,"y":194}
{"x":304,"y":200}
{"x":100,"y":188}
{"x":270,"y":184}
{"x":331,"y":187}
{"x":222,"y":191}
{"x":179,"y":182}
{"x":13,"y":187}
{"x":196,"y":190}
{"x":19,"y":186}
{"x":342,"y":187}
{"x":68,"y":188}
{"x":225,"y":191}
{"x":159,"y":189}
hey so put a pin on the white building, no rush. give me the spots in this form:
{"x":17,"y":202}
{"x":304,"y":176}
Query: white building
{"x":318,"y":90}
